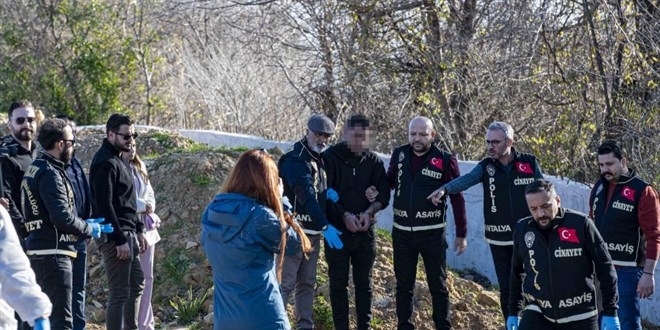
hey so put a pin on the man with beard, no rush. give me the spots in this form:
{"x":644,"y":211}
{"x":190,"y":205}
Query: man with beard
{"x":556,"y":252}
{"x":626,"y":211}
{"x":53,"y":228}
{"x":113,"y":198}
{"x":83,"y":209}
{"x":16,"y":154}
{"x":415,"y":170}
{"x":504,"y":174}
{"x":304,"y":181}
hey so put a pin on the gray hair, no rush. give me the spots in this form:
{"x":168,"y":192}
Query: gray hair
{"x":502,"y":126}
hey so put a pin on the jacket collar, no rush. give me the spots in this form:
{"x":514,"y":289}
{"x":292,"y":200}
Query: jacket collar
{"x":309,"y":150}
{"x":106,"y":144}
{"x":623,"y":179}
{"x":52,"y":160}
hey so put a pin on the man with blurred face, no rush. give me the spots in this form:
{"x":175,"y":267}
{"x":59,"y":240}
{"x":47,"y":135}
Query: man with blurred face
{"x":352,"y":168}
{"x":415,"y":170}
{"x":547,"y":244}
{"x":113,"y":196}
{"x":305,"y":185}
{"x":16,"y":154}
{"x":626,"y":211}
{"x":503,"y":175}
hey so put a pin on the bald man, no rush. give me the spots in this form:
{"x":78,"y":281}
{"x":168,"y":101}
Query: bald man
{"x":415,"y":171}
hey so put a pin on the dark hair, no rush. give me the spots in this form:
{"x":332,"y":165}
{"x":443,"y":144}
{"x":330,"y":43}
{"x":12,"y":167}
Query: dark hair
{"x":540,"y":185}
{"x":116,"y":120}
{"x":17,"y":105}
{"x":358,"y":120}
{"x":51,"y":131}
{"x":65,"y":117}
{"x":612,"y":147}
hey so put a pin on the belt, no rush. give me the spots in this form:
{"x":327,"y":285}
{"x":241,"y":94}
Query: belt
{"x":418,"y":228}
{"x":72,"y":254}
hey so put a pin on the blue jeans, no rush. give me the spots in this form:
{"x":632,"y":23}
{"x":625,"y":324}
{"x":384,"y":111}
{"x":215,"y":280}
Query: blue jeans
{"x":629,"y":315}
{"x":53,"y":274}
{"x":79,"y":281}
{"x":432,"y":246}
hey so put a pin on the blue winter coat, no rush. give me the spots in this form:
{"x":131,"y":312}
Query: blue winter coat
{"x":240,"y":237}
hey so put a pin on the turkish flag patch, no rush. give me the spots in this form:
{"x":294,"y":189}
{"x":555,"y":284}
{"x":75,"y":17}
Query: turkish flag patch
{"x":568,"y":235}
{"x":628,"y":193}
{"x":524,"y":168}
{"x":437,"y":162}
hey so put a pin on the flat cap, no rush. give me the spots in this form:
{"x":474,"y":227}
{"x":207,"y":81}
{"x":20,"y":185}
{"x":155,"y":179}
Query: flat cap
{"x":321,"y":124}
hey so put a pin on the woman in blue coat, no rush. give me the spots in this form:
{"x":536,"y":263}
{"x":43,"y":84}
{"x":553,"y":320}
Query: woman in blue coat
{"x":243,"y":229}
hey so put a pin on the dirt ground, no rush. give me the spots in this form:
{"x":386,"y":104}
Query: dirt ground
{"x":185,"y":178}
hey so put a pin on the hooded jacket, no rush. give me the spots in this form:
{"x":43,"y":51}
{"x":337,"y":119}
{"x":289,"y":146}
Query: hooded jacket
{"x":240,"y":237}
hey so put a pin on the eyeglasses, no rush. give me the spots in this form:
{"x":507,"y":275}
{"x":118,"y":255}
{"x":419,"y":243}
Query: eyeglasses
{"x":21,"y":120}
{"x":494,"y":142}
{"x":128,"y":136}
{"x":71,"y":142}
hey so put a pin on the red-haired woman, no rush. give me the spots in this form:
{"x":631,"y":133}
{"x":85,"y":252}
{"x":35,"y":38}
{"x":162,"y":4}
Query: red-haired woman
{"x":243,"y":229}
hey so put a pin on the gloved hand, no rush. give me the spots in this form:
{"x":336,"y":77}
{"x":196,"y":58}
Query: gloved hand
{"x":331,"y":235}
{"x":610,"y":323}
{"x":98,"y":228}
{"x":41,"y":323}
{"x":512,"y":323}
{"x":332,"y":195}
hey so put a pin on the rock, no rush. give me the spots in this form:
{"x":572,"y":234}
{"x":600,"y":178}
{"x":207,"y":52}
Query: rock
{"x":190,"y":245}
{"x":208,"y":319}
{"x":489,"y":299}
{"x":97,"y":304}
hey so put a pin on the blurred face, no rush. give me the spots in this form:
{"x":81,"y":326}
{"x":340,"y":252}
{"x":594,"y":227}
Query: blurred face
{"x":123,"y":138}
{"x":497,"y":144}
{"x":612,"y":168}
{"x":420,"y":135}
{"x":67,"y":145}
{"x":544,"y":207}
{"x":317,"y":141}
{"x":357,"y":138}
{"x":23,"y":124}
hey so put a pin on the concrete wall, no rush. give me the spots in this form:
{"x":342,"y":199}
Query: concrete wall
{"x":477,"y":256}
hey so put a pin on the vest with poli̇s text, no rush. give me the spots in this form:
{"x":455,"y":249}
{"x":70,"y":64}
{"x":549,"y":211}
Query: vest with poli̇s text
{"x":411,"y":208}
{"x":504,"y":195}
{"x":617,"y":220}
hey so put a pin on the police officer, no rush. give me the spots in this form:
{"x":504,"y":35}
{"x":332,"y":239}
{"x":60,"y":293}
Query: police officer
{"x":503,"y":175}
{"x":415,"y":170}
{"x":555,"y":254}
{"x":626,"y":210}
{"x":305,"y":186}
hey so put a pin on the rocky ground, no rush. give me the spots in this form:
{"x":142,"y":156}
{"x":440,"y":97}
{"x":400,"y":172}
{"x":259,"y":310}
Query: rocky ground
{"x":185,"y":177}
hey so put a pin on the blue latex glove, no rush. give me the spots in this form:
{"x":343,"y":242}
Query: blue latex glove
{"x":98,"y":228}
{"x":331,"y":235}
{"x":512,"y":323}
{"x":332,"y":195}
{"x":610,"y":323}
{"x":41,"y":323}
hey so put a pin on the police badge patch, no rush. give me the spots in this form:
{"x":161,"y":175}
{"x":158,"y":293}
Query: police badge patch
{"x":490,"y":169}
{"x":529,"y":239}
{"x":401,"y":156}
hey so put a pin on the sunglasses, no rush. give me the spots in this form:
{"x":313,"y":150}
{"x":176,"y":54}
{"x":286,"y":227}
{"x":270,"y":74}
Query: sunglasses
{"x":128,"y":136}
{"x":71,"y":142}
{"x":21,"y":120}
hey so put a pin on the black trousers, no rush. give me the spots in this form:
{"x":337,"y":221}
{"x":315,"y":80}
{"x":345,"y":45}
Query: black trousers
{"x":359,"y":251}
{"x":502,"y":260}
{"x":432,"y":246}
{"x":533,"y":320}
{"x":54,"y":275}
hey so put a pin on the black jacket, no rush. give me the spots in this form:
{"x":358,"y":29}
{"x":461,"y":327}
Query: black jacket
{"x":504,"y":194}
{"x":14,"y":160}
{"x":49,"y":208}
{"x":559,"y":270}
{"x":113,"y":193}
{"x":81,"y":191}
{"x":350,"y":175}
{"x":305,"y":186}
